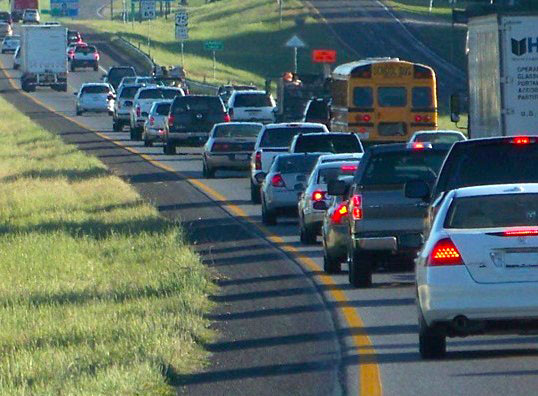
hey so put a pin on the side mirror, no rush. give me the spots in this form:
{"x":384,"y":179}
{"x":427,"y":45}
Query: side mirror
{"x":455,"y":107}
{"x":337,"y":188}
{"x":417,"y":189}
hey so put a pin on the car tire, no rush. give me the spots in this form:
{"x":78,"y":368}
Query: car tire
{"x":117,"y":126}
{"x":169,"y":149}
{"x":255,"y":195}
{"x":330,"y":265}
{"x":307,"y":236}
{"x":148,"y":143}
{"x":208,"y":172}
{"x":432,"y":343}
{"x":360,"y":269}
{"x":268,"y":217}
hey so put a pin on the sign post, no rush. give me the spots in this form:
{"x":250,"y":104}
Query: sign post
{"x":182,"y":30}
{"x":214,"y":46}
{"x":295,"y":42}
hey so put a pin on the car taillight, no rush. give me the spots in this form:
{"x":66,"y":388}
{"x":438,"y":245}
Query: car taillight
{"x":258,"y":160}
{"x":422,"y":118}
{"x":277,"y":181}
{"x":348,"y":168}
{"x":318,"y":195}
{"x":220,"y":147}
{"x":227,"y":117}
{"x":151,"y":120}
{"x":444,"y":253}
{"x":419,"y":145}
{"x":356,"y":203}
{"x":95,"y":56}
{"x":528,"y":232}
{"x":339,"y":213}
{"x":523,"y":140}
{"x":138,"y":111}
{"x":171,"y":120}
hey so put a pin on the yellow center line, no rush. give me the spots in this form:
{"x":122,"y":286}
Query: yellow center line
{"x":369,"y":375}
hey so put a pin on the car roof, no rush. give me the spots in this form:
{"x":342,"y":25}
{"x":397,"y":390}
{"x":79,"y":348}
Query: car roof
{"x":344,"y":156}
{"x":497,"y":189}
{"x":240,"y":123}
{"x":294,"y":125}
{"x":440,"y":131}
{"x":335,"y":164}
{"x":249,"y":92}
{"x":401,"y":147}
{"x":329,"y":134}
{"x":96,"y":84}
{"x":294,"y":155}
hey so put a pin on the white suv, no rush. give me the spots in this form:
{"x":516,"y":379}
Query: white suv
{"x":31,"y":16}
{"x":251,"y":106}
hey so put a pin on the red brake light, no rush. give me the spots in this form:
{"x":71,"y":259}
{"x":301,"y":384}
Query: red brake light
{"x":444,"y":253}
{"x":278,"y":181}
{"x":258,"y":160}
{"x":339,"y":213}
{"x":366,"y":118}
{"x":171,"y":120}
{"x":521,"y":140}
{"x":138,"y":111}
{"x":318,"y":195}
{"x":227,"y":117}
{"x":349,"y":168}
{"x":530,"y":232}
{"x":418,"y":146}
{"x":418,"y":118}
{"x":356,"y":202}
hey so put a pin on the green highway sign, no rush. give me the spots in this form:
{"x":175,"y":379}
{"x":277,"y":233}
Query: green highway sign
{"x":213,"y":45}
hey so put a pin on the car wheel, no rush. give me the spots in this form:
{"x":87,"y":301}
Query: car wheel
{"x":255,"y":195}
{"x":308,"y":237}
{"x":116,"y":126}
{"x":207,"y":171}
{"x":330,"y":265}
{"x":432,"y":343}
{"x":148,"y":143}
{"x":360,"y":269}
{"x":268,"y":217}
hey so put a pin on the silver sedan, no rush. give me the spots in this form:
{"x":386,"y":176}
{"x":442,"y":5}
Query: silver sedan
{"x":230,"y":146}
{"x":156,"y":122}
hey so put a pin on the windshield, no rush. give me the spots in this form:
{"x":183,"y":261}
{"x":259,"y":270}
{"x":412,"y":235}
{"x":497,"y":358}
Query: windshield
{"x":400,"y":167}
{"x":326,"y":175}
{"x":85,"y":50}
{"x":118,"y":74}
{"x":491,"y":211}
{"x":208,"y":104}
{"x":171,"y":93}
{"x":438,"y":137}
{"x":295,"y":164}
{"x":282,"y":137}
{"x":96,"y":89}
{"x":328,"y":144}
{"x":237,"y":130}
{"x":163,"y":109}
{"x":253,"y":100}
{"x":482,"y":164}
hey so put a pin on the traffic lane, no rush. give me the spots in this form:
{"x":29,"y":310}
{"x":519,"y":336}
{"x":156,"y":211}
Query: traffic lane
{"x":255,"y":354}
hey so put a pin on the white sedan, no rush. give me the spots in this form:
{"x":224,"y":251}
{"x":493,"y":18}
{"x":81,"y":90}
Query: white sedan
{"x":478,"y":271}
{"x":95,"y":97}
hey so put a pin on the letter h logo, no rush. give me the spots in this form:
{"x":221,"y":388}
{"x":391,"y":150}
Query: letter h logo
{"x":519,"y":47}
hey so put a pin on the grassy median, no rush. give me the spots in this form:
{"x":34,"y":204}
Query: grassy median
{"x":99,"y":295}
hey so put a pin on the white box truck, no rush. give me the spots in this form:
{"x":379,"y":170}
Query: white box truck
{"x":43,"y":57}
{"x":503,"y":75}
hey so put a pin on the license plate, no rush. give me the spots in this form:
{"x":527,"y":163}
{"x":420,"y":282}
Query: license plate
{"x":521,"y":260}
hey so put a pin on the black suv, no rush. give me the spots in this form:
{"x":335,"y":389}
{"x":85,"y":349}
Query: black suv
{"x":116,"y":73}
{"x":479,"y":162}
{"x":327,"y":142}
{"x":191,"y":119}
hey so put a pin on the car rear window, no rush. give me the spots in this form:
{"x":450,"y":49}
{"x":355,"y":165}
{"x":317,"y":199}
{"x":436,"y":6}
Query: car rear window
{"x":282,"y":137}
{"x":150,"y":94}
{"x":118,"y":74}
{"x":163,"y":109}
{"x":326,"y":175}
{"x":129,"y":92}
{"x":482,"y":164}
{"x":296,"y":164}
{"x":85,"y":49}
{"x":206,"y":104}
{"x":317,"y":109}
{"x":237,"y":130}
{"x":402,"y":166}
{"x":95,"y":89}
{"x":328,"y":144}
{"x":171,"y":93}
{"x":252,"y":100}
{"x":491,"y":211}
{"x":438,"y":137}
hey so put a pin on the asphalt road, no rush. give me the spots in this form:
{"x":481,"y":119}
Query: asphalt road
{"x":287,"y":329}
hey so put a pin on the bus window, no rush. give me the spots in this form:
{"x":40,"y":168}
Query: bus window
{"x":363,"y":97}
{"x":392,"y":96}
{"x":422,"y":97}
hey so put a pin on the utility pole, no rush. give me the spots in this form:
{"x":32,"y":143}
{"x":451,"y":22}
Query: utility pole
{"x":111,"y":10}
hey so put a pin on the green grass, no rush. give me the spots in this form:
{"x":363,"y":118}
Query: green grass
{"x":99,"y":295}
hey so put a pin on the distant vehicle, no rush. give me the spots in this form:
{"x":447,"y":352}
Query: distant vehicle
{"x":476,"y":273}
{"x":439,"y":136}
{"x":18,"y":7}
{"x":71,"y":49}
{"x":251,"y":106}
{"x":274,"y":139}
{"x":10,"y":44}
{"x":225,"y":91}
{"x":17,"y":58}
{"x":5,"y":30}
{"x":121,"y":115}
{"x":383,"y":99}
{"x":314,"y":201}
{"x":172,"y":76}
{"x":116,"y":73}
{"x":94,"y":97}
{"x":154,"y":125}
{"x":85,"y":56}
{"x":502,"y":102}
{"x":191,"y":119}
{"x":318,"y":110}
{"x":142,"y":102}
{"x":384,"y":224}
{"x":284,"y":182}
{"x":230,"y":146}
{"x":43,"y":61}
{"x":31,"y":16}
{"x":73,"y":37}
{"x":332,"y":142}
{"x":5,"y":17}
{"x":326,"y":158}
{"x":146,"y":80}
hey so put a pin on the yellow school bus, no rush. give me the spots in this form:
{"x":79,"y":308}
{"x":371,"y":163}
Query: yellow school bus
{"x":383,"y":99}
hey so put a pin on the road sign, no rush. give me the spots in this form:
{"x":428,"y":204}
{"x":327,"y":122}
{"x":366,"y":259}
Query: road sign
{"x":147,"y":9}
{"x":295,"y":42}
{"x":323,"y":56}
{"x":64,"y":8}
{"x":182,"y":18}
{"x":182,"y":32}
{"x":213,"y":45}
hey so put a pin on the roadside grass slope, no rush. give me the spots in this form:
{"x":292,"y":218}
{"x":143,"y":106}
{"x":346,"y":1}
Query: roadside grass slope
{"x":99,"y":295}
